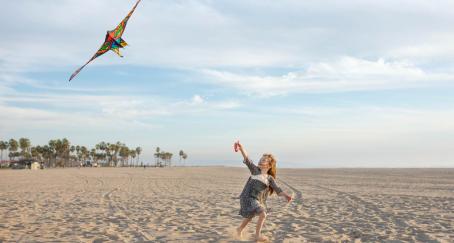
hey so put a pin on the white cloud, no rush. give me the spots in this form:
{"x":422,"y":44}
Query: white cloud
{"x":216,"y":34}
{"x":197,"y":99}
{"x":333,"y":46}
{"x":16,"y":119}
{"x":64,"y":110}
{"x":206,"y":104}
{"x":346,"y":74}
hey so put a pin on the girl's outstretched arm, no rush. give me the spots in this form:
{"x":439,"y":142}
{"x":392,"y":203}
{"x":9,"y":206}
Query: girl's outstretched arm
{"x":284,"y":194}
{"x":278,"y":190}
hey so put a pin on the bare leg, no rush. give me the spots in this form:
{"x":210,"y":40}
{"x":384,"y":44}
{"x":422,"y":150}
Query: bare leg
{"x":239,"y":230}
{"x":258,"y":229}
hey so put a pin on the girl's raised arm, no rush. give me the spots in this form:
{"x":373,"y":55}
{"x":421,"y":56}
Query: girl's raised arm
{"x":243,"y":152}
{"x":253,"y":168}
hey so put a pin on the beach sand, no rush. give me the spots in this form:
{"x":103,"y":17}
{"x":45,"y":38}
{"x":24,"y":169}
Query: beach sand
{"x":200,"y":204}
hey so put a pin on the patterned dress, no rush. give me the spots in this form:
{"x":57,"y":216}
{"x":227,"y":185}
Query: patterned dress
{"x":255,"y":192}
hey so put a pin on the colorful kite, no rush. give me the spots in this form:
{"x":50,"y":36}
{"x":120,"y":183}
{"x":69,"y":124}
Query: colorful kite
{"x":113,"y":41}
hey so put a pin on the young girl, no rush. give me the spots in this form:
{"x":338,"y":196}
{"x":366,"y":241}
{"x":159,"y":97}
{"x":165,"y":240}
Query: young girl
{"x":255,"y":192}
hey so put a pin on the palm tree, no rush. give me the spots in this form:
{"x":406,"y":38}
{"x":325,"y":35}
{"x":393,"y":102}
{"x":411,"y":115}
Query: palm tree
{"x":58,"y":152}
{"x":66,"y":150}
{"x":114,"y":148}
{"x":108,"y":154}
{"x":24,"y":144}
{"x":71,"y":150}
{"x":132,"y":154}
{"x":36,"y":152}
{"x":117,"y":148}
{"x":46,"y":150}
{"x":124,"y":153}
{"x":42,"y":153}
{"x":84,"y":153}
{"x":181,"y":155}
{"x":52,"y":150}
{"x":138,"y":151}
{"x":185,"y":156}
{"x":62,"y":149}
{"x":13,"y":146}
{"x":157,"y":155}
{"x":78,"y":154}
{"x":93,"y":155}
{"x":3,"y":146}
{"x":104,"y":148}
{"x":164,"y":157}
{"x":167,"y":157}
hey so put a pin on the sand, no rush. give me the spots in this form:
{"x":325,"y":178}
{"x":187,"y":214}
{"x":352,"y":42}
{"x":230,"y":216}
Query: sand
{"x":200,"y":204}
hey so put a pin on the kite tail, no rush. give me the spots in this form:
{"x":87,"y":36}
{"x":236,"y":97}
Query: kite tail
{"x":134,"y":8}
{"x":131,"y":12}
{"x":77,"y":71}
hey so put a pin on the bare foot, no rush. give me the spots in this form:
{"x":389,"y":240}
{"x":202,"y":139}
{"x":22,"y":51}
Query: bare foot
{"x":261,"y":238}
{"x":239,"y":233}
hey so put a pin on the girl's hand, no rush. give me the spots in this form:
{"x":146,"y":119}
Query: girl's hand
{"x":289,"y":198}
{"x":236,"y":146}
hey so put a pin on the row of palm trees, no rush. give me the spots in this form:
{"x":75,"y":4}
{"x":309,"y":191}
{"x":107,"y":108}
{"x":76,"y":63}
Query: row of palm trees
{"x":165,"y":158}
{"x":117,"y":154}
{"x":13,"y":147}
{"x":183,"y":156}
{"x":60,"y":153}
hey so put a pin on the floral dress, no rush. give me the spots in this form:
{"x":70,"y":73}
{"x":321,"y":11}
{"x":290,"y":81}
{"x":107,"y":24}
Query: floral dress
{"x":255,"y":192}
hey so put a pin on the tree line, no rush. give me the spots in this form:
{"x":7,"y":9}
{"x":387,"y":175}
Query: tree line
{"x":165,"y":158}
{"x":60,"y":153}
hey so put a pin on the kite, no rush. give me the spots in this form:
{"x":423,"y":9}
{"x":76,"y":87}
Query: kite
{"x":112,"y":42}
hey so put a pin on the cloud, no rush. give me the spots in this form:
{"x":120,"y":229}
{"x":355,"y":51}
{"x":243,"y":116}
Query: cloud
{"x":226,"y":48}
{"x":215,"y":34}
{"x":49,"y":109}
{"x":377,"y":120}
{"x":204,"y":104}
{"x":25,"y":119}
{"x":346,"y":74}
{"x":438,"y":48}
{"x":197,"y":99}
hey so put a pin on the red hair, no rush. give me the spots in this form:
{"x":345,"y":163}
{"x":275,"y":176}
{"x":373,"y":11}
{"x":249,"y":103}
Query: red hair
{"x":272,"y":170}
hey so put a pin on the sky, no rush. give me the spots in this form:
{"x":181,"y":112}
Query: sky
{"x":317,"y":83}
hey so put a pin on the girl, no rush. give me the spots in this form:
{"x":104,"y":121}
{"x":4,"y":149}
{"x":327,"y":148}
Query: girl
{"x":255,"y":192}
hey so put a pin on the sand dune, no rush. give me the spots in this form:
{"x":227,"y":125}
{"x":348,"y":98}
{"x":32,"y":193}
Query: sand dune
{"x":200,"y":205}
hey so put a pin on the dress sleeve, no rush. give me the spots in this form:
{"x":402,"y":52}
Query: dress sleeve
{"x":273,"y":185}
{"x":253,"y":168}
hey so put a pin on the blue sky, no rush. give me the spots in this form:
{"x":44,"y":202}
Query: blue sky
{"x":317,"y":83}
